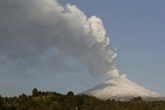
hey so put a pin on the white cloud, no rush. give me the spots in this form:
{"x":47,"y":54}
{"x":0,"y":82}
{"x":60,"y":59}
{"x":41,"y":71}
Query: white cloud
{"x":29,"y":29}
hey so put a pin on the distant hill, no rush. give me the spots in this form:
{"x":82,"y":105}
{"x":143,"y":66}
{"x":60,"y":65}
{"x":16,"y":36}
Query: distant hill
{"x":122,"y":89}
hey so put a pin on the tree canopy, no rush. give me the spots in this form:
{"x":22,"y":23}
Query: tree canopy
{"x":56,"y":101}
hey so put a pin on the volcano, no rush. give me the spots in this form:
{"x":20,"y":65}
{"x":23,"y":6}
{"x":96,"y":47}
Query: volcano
{"x":122,"y":89}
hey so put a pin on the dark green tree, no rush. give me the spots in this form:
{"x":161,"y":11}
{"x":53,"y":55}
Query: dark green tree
{"x":35,"y":92}
{"x":1,"y":102}
{"x":70,"y":93}
{"x":136,"y":99}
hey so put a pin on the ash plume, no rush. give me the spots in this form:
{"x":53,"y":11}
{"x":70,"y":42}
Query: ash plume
{"x":37,"y":34}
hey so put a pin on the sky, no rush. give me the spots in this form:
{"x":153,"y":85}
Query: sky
{"x":135,"y":29}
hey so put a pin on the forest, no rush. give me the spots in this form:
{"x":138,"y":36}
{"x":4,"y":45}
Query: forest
{"x":40,"y":100}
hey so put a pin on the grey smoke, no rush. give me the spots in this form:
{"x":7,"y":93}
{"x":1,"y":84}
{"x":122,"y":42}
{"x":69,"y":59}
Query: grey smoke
{"x":42,"y":34}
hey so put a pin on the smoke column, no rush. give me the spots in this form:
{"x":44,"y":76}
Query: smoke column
{"x":41,"y":34}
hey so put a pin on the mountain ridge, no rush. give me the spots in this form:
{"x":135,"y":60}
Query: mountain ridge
{"x":123,"y":89}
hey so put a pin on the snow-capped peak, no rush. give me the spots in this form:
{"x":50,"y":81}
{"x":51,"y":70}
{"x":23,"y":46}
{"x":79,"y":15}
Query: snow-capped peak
{"x":120,"y":88}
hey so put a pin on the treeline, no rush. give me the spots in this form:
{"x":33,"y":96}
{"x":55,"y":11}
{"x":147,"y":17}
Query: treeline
{"x":56,"y":101}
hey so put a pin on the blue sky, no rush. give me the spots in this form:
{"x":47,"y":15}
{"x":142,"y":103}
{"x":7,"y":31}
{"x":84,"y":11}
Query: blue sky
{"x":135,"y":28}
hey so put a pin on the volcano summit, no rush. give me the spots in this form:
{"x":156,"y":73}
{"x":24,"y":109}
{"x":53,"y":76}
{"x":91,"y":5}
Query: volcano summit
{"x":123,"y":89}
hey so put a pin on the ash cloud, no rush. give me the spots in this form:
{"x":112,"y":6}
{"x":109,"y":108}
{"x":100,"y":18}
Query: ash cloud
{"x":42,"y":34}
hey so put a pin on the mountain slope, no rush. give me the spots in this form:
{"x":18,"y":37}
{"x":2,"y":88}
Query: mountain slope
{"x":121,"y":88}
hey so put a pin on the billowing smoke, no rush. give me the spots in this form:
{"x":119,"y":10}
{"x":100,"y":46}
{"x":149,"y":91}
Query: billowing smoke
{"x":37,"y":34}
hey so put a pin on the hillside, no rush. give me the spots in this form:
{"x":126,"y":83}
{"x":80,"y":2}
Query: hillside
{"x":56,"y":101}
{"x":123,"y":89}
